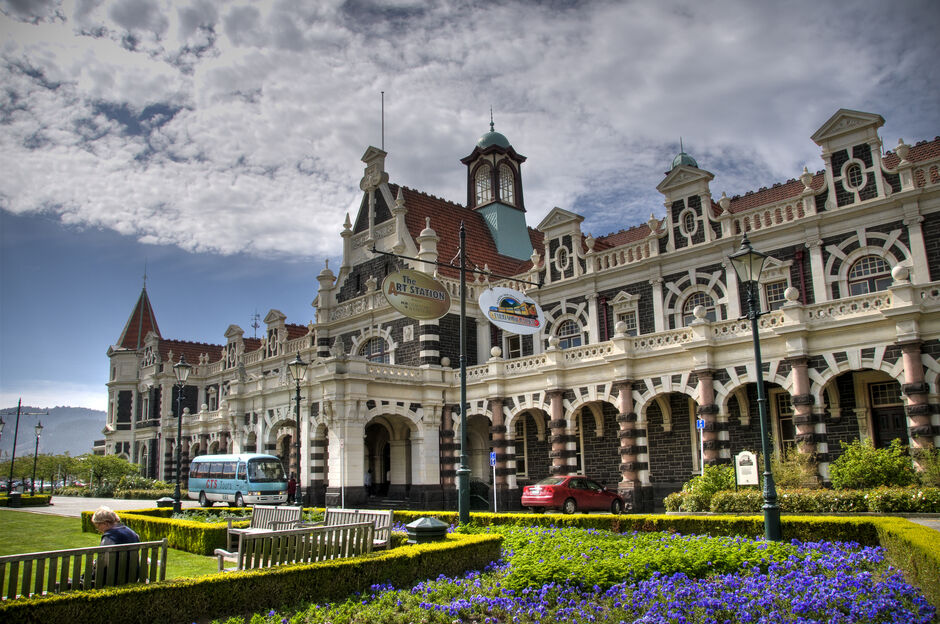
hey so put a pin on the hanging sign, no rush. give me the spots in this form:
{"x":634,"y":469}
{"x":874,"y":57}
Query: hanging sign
{"x":416,"y":295}
{"x":512,"y":311}
{"x":745,"y":468}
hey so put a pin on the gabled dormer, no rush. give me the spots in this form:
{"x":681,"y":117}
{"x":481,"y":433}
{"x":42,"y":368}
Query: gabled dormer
{"x":689,"y":218}
{"x":562,"y":238}
{"x":851,"y":150}
{"x":494,"y":189}
{"x":276,"y":334}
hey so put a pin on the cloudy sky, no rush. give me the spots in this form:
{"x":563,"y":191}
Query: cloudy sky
{"x":218,"y":143}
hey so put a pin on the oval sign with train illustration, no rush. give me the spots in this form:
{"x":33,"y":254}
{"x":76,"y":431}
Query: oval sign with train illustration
{"x":416,"y":295}
{"x":512,"y":311}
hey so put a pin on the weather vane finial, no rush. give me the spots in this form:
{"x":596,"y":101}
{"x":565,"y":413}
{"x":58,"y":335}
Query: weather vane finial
{"x":145,"y":274}
{"x":491,"y":119}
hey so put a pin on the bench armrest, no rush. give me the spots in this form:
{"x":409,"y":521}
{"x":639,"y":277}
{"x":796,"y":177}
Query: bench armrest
{"x":222,"y":554}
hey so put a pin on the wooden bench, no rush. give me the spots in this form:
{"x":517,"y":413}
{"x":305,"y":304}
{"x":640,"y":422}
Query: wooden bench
{"x":55,"y":571}
{"x":303,"y":545}
{"x":264,"y":518}
{"x":381,"y":518}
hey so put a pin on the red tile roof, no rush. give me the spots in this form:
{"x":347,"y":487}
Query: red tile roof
{"x":923,"y":150}
{"x":139,"y":324}
{"x":295,"y":331}
{"x":622,"y":237}
{"x":778,"y":192}
{"x":445,"y":221}
{"x":191,"y":350}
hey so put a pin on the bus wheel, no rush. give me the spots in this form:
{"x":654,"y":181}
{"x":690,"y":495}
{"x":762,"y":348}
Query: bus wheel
{"x":239,"y":501}
{"x":203,"y":501}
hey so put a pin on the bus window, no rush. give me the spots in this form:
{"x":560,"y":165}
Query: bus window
{"x":265,"y":470}
{"x":215,"y":470}
{"x":240,"y":472}
{"x":228,"y":470}
{"x":195,"y":470}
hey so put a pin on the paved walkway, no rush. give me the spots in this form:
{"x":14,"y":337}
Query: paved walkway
{"x":73,"y":506}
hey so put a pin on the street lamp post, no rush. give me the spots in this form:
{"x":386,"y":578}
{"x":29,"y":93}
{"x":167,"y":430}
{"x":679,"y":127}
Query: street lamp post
{"x":748,"y":265}
{"x":32,"y":483}
{"x":297,"y":368}
{"x":181,"y":370}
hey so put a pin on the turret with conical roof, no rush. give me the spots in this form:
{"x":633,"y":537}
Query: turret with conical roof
{"x":140,"y":323}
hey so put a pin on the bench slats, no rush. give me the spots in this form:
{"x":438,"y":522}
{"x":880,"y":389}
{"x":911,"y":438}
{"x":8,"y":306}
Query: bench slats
{"x":265,"y":518}
{"x":382,"y":519}
{"x":49,"y":572}
{"x":303,"y":545}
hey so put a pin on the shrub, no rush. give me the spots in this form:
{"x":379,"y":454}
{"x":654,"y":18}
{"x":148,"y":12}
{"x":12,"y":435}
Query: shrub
{"x":863,"y":466}
{"x":793,"y":469}
{"x":929,"y":462}
{"x":697,"y":492}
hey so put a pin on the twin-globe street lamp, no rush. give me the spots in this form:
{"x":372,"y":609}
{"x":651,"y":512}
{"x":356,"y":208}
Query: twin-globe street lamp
{"x":181,"y":370}
{"x":748,"y":265}
{"x":297,"y":368}
{"x":32,"y":483}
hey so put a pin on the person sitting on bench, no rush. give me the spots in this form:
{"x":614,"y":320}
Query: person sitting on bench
{"x":109,"y":525}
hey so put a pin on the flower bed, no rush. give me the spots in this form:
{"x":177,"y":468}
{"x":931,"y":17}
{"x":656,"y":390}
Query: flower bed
{"x":583,"y":575}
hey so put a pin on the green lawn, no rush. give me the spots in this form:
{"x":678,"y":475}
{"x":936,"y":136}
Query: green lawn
{"x":24,"y":532}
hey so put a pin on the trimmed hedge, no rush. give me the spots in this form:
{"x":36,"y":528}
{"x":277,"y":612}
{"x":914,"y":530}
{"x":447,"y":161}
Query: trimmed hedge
{"x":221,"y":595}
{"x":39,"y":500}
{"x":886,"y":500}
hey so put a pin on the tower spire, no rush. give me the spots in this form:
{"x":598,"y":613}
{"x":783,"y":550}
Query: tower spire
{"x":491,"y":120}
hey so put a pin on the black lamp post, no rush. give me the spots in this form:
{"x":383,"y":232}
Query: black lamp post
{"x":297,"y":368}
{"x":32,"y":483}
{"x":748,"y":265}
{"x":181,"y":370}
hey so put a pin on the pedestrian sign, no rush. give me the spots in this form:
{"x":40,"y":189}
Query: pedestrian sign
{"x":699,"y":423}
{"x":492,"y":458}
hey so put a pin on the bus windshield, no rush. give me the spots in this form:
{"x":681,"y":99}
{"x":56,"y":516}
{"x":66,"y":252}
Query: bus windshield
{"x":265,"y":471}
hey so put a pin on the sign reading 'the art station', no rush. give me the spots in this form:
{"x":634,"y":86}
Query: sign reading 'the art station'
{"x":416,"y":295}
{"x":512,"y":311}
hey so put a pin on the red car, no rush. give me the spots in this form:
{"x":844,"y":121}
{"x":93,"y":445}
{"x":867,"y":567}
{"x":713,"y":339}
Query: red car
{"x":570,"y":494}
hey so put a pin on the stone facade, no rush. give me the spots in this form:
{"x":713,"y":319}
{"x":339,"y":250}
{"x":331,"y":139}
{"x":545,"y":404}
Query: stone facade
{"x":643,"y":335}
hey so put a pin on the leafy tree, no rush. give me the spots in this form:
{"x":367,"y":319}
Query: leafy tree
{"x":862,"y":466}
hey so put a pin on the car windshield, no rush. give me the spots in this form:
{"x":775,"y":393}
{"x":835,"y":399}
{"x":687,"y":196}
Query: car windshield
{"x":265,"y":471}
{"x":551,"y":481}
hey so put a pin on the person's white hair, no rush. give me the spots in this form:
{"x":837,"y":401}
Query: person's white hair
{"x":104,"y":515}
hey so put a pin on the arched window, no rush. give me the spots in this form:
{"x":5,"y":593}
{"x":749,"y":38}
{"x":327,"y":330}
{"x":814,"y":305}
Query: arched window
{"x":698,"y":299}
{"x":506,"y":185}
{"x":569,"y":334}
{"x":869,"y":274}
{"x":483,"y":181}
{"x":374,"y":350}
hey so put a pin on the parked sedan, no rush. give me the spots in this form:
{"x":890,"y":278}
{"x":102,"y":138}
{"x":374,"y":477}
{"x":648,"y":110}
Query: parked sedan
{"x":570,"y":494}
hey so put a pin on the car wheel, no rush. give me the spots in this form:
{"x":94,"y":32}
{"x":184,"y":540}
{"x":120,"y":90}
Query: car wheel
{"x":203,"y":501}
{"x":570,"y":506}
{"x":616,"y":507}
{"x":239,"y":501}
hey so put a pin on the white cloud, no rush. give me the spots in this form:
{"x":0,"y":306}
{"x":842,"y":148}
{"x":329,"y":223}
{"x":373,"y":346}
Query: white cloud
{"x":267,"y":107}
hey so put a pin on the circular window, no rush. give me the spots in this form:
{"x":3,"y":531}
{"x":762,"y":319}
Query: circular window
{"x":854,"y":176}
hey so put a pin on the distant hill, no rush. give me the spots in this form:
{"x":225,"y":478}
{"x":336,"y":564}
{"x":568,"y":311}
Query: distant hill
{"x":65,"y":429}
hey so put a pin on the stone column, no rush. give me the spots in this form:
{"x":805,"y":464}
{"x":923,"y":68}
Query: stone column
{"x":708,"y":411}
{"x":448,"y":451}
{"x":918,"y":409}
{"x":802,"y":402}
{"x":626,"y":419}
{"x":503,"y":459}
{"x":557,"y":425}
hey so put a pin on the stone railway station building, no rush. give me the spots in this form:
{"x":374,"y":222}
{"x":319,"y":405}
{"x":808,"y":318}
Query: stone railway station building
{"x":643,"y":335}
